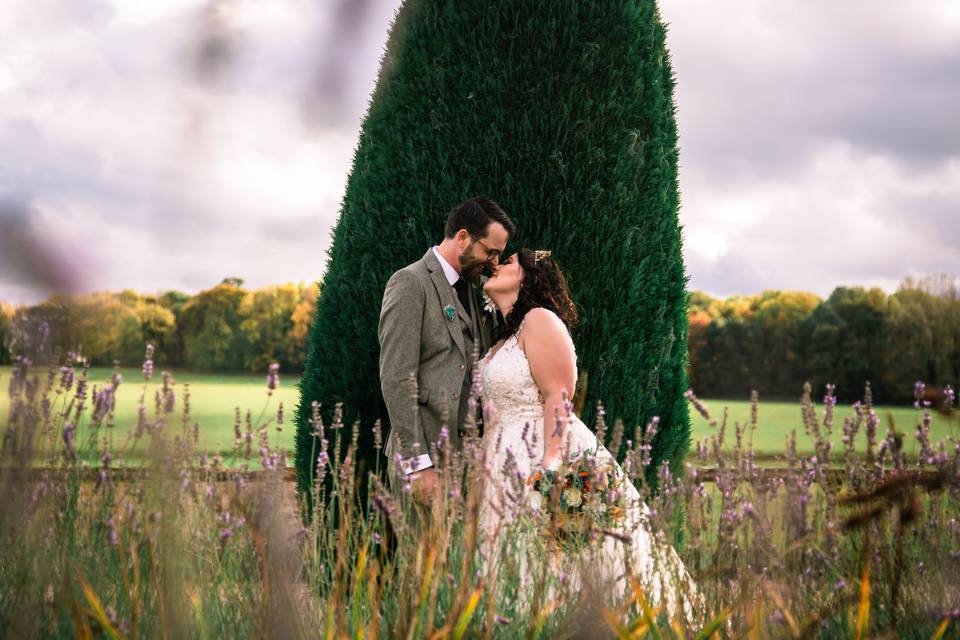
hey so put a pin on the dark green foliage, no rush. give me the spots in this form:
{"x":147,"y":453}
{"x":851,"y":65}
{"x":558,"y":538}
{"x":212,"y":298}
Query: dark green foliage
{"x":4,"y":336}
{"x":842,"y":339}
{"x":214,"y":338}
{"x":560,"y":111}
{"x":774,"y":341}
{"x":749,"y":343}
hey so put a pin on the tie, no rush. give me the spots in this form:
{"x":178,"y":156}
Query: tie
{"x":463,"y":292}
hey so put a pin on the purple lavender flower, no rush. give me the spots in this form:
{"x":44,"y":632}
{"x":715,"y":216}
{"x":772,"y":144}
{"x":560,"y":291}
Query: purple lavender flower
{"x":697,"y":404}
{"x":43,"y":332}
{"x":918,"y":389}
{"x":66,"y":377}
{"x":829,"y":400}
{"x":112,"y":538}
{"x":103,"y":403}
{"x":652,"y":428}
{"x":148,"y":363}
{"x":322,"y":459}
{"x":69,"y":449}
{"x":273,"y":378}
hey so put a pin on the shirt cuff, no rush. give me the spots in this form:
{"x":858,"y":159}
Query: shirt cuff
{"x":416,"y":463}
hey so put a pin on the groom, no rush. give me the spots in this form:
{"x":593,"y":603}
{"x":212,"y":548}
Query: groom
{"x":430,"y":326}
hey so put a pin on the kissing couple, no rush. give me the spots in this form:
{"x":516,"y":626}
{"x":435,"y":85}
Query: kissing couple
{"x":432,"y":323}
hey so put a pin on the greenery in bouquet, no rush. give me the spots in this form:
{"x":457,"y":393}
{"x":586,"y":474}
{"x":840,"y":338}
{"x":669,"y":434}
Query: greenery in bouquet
{"x":583,"y":496}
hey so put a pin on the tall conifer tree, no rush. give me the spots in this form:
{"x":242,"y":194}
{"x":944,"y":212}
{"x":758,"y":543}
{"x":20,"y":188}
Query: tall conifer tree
{"x":563,"y":113}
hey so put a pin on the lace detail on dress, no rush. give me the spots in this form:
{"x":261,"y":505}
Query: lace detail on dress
{"x":510,"y":394}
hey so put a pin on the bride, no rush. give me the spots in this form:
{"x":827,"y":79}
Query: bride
{"x":525,"y":378}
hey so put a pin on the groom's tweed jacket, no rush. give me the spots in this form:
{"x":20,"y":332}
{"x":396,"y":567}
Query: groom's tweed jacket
{"x":420,"y":340}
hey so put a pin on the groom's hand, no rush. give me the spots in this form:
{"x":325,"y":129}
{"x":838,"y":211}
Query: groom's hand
{"x":424,"y":484}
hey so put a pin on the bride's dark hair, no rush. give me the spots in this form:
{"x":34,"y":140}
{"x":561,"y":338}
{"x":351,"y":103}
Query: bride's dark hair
{"x":544,"y":286}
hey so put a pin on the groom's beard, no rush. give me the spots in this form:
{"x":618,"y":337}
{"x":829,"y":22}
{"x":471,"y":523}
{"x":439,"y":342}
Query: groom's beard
{"x":471,"y":272}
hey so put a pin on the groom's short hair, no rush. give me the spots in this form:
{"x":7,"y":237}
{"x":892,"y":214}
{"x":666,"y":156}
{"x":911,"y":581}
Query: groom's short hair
{"x":475,"y":215}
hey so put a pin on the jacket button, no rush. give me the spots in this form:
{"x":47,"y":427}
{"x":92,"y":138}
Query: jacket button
{"x":456,"y":395}
{"x":463,"y":367}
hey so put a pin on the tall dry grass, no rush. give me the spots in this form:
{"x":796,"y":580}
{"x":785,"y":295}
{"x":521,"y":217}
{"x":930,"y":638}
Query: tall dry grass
{"x":840,"y":544}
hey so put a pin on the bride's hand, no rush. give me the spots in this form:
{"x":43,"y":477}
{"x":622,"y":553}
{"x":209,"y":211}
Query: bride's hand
{"x":550,"y":463}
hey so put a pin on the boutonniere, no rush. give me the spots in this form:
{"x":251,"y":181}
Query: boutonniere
{"x":449,"y":311}
{"x":488,"y":305}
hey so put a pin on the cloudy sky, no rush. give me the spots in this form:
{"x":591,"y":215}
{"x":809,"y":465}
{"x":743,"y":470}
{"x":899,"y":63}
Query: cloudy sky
{"x":170,"y":144}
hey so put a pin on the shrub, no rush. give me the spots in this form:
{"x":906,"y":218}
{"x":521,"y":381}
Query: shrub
{"x":563,"y":113}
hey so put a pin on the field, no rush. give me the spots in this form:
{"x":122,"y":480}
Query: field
{"x":214,"y":397}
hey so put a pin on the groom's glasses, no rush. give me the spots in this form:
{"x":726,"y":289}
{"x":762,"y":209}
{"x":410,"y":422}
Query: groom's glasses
{"x":492,"y":254}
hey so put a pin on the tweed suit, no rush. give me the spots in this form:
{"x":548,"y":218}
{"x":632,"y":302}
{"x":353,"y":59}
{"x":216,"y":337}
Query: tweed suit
{"x":426,"y":335}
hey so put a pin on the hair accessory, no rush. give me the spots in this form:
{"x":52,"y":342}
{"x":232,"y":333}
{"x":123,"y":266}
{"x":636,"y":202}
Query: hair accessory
{"x":540,"y":254}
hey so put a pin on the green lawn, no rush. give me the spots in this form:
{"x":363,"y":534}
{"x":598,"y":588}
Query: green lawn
{"x":212,"y":402}
{"x":213,"y":398}
{"x":777,"y":419}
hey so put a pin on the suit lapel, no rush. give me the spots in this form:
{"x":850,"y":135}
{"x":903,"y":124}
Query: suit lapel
{"x":447,"y":298}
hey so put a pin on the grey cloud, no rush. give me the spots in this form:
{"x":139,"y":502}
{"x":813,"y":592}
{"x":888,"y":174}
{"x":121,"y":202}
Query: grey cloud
{"x":126,"y":197}
{"x":936,"y":218}
{"x":53,"y":15}
{"x":728,"y":276}
{"x":761,"y":107}
{"x":290,"y":228}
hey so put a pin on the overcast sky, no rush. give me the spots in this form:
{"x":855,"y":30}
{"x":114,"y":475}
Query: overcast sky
{"x":171,"y":144}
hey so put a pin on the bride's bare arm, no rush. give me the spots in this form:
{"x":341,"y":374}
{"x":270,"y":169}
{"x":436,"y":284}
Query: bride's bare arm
{"x":553,"y":364}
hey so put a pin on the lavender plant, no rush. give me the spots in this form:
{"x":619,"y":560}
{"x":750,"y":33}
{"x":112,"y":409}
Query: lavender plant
{"x":856,"y":542}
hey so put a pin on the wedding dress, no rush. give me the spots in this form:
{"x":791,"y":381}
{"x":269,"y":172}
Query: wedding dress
{"x":513,"y":448}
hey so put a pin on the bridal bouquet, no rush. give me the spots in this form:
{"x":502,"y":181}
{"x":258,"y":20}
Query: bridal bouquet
{"x":584,"y":494}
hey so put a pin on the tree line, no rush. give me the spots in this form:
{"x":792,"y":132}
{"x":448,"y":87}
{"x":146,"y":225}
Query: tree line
{"x":772,"y":341}
{"x":224,"y":328}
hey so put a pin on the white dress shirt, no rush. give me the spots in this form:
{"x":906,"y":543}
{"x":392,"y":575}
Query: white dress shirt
{"x":423,"y":461}
{"x":450,"y":272}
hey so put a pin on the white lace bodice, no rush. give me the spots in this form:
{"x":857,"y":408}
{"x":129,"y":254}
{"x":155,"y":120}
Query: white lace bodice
{"x":513,"y":410}
{"x":510,"y":394}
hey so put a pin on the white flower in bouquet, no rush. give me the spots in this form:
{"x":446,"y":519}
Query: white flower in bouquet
{"x":536,"y":500}
{"x":593,"y":506}
{"x":572,"y":497}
